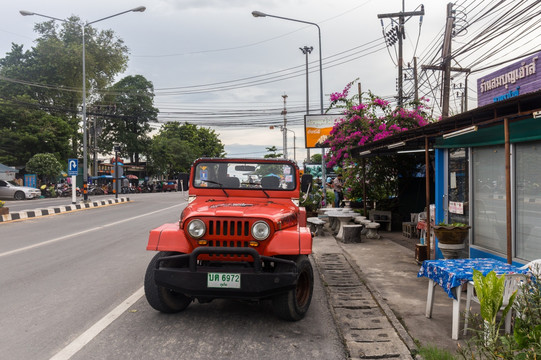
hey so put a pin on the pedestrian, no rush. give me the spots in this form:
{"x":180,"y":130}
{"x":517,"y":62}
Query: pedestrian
{"x":338,"y":195}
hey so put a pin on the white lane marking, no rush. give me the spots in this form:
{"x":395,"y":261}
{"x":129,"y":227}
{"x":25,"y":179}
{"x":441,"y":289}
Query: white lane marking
{"x":15,"y":251}
{"x":83,"y":339}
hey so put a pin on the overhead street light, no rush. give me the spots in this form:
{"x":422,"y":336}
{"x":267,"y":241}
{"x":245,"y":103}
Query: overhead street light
{"x":262,"y":14}
{"x":85,"y":145}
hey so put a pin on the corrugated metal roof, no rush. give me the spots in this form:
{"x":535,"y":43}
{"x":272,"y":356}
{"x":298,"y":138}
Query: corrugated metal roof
{"x":4,"y":168}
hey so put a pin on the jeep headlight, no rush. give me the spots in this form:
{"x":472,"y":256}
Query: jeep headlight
{"x":260,"y":230}
{"x":196,"y":228}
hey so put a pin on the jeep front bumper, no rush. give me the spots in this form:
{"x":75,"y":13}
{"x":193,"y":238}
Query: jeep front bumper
{"x":255,"y":282}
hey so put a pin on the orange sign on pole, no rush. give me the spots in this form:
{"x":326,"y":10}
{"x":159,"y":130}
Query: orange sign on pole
{"x":317,"y":129}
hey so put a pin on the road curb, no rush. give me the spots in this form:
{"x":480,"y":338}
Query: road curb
{"x":30,"y":214}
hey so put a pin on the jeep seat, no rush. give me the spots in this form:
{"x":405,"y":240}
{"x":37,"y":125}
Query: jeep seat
{"x":231,"y":182}
{"x":270,"y":182}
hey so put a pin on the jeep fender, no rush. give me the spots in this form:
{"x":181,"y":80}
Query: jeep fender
{"x":290,"y":241}
{"x":168,"y":237}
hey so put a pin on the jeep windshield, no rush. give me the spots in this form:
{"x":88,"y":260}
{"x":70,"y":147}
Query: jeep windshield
{"x":264,"y":175}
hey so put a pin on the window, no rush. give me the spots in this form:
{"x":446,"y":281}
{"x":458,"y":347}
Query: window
{"x":489,"y":213}
{"x":245,"y":175}
{"x":458,"y":190}
{"x":528,"y":200}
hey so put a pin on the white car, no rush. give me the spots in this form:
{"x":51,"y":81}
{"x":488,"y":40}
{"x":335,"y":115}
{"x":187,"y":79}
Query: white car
{"x":10,"y":190}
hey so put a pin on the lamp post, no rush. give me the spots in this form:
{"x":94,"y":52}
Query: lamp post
{"x":294,"y":140}
{"x":261,"y":14}
{"x":294,"y":145}
{"x":284,"y":135}
{"x":85,"y":141}
{"x":307,"y":50}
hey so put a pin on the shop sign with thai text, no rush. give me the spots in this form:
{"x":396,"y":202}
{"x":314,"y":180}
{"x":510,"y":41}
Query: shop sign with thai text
{"x":516,"y":79}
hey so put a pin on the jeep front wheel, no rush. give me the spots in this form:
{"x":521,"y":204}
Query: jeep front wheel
{"x":160,"y":298}
{"x":294,"y":304}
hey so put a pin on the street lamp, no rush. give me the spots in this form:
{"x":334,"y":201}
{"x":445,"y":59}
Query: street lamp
{"x":294,"y":141}
{"x":294,"y":145}
{"x":261,"y":14}
{"x":307,"y":50}
{"x":85,"y":166}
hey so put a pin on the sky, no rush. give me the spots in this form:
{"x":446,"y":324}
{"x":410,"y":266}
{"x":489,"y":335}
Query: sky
{"x":214,"y":64}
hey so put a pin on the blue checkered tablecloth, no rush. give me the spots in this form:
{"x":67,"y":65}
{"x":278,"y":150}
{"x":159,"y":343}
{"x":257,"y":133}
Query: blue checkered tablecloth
{"x":454,"y":272}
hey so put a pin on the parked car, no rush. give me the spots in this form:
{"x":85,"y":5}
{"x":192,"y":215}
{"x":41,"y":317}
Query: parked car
{"x":169,"y":185}
{"x":10,"y":190}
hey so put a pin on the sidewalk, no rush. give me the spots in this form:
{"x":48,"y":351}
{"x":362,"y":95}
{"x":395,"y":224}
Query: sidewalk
{"x":387,"y":269}
{"x":33,"y":213}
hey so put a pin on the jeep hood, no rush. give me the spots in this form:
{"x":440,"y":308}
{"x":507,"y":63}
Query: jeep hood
{"x":240,"y":207}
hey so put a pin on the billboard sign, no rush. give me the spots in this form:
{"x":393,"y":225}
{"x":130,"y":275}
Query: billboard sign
{"x":513,"y":80}
{"x":317,"y":129}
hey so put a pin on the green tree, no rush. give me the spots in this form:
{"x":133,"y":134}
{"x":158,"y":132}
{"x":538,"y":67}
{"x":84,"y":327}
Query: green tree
{"x":129,"y":103}
{"x":176,"y":147}
{"x":46,"y":166}
{"x":273,"y":153}
{"x":51,"y":72}
{"x":315,"y":159}
{"x":25,"y":131}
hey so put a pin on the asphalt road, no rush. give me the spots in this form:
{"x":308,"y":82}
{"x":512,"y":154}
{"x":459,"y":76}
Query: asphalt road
{"x":71,"y":287}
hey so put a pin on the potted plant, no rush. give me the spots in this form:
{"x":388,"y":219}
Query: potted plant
{"x":3,"y":210}
{"x":451,"y":238}
{"x":311,"y":201}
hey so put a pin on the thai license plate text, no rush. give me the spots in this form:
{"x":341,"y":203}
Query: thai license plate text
{"x":223,"y":280}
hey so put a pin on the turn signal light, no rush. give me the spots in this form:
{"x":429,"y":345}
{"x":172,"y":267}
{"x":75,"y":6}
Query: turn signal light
{"x":254,"y":243}
{"x":202,"y":242}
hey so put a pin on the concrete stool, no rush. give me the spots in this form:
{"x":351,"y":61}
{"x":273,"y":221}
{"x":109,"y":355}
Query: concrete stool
{"x":359,"y":219}
{"x":365,"y":223}
{"x":373,"y":230}
{"x":351,"y":234}
{"x":315,"y":224}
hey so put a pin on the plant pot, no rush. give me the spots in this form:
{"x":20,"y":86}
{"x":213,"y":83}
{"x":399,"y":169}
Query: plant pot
{"x":451,"y":234}
{"x":4,"y":210}
{"x":451,"y":239}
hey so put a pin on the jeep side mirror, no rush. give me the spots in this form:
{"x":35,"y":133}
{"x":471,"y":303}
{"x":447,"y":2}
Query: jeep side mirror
{"x":306,"y":181}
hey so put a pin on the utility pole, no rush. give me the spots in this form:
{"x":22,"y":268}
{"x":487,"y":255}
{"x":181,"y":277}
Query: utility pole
{"x":401,"y":34}
{"x":446,"y":57}
{"x":307,"y":50}
{"x":415,"y":81}
{"x":446,"y":63}
{"x":284,"y":130}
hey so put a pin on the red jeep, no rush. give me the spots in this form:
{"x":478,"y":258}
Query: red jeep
{"x":242,"y":236}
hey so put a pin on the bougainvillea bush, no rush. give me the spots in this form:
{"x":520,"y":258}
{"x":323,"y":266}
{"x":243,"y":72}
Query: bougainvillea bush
{"x":368,"y":118}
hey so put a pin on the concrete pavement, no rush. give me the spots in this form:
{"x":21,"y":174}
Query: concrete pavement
{"x":377,"y":299}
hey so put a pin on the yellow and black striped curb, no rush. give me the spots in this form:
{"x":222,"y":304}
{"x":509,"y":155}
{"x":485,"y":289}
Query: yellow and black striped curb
{"x":29,"y":214}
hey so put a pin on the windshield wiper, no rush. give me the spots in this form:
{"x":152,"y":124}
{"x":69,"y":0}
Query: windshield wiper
{"x":265,"y":193}
{"x":219,"y":184}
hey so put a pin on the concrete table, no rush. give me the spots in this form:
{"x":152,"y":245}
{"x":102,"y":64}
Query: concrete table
{"x":343,"y":218}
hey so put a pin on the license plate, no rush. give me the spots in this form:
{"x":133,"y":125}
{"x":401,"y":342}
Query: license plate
{"x":223,"y":280}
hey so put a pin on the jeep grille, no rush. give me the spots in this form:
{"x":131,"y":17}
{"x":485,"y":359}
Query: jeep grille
{"x":240,"y":229}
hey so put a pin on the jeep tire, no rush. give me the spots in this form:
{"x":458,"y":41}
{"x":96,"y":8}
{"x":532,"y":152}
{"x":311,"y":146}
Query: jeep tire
{"x":294,"y":304}
{"x":160,"y":298}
